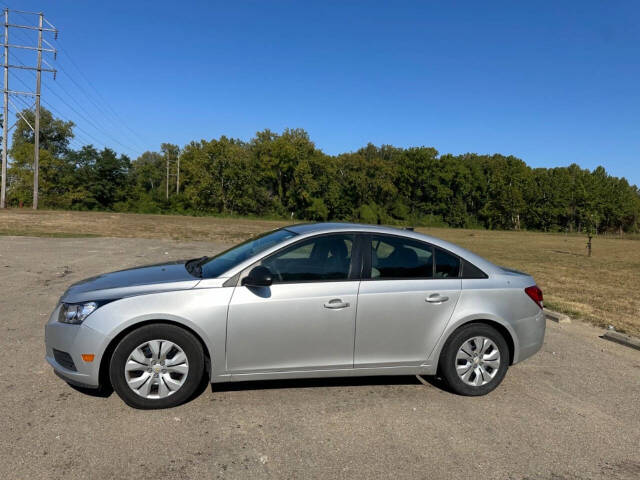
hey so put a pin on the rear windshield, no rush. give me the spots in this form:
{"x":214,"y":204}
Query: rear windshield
{"x":216,"y":266}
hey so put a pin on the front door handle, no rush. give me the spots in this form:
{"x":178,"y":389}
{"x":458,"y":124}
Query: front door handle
{"x":436,"y":298}
{"x":336,"y":303}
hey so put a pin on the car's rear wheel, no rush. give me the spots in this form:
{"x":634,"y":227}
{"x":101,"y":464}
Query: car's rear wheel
{"x":474,"y":359}
{"x":156,"y":366}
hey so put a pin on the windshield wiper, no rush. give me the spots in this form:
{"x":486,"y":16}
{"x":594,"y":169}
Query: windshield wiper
{"x":194,"y":266}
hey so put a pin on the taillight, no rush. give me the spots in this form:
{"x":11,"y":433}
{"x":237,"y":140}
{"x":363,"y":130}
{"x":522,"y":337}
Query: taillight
{"x":535,"y":294}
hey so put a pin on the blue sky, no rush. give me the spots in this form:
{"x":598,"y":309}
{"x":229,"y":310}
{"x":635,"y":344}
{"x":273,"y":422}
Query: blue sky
{"x":550,"y":82}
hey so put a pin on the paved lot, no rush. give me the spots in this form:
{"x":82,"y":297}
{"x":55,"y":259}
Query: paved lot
{"x":570,"y":412}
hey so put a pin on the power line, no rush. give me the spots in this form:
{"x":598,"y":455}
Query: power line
{"x":66,"y":53}
{"x":24,"y":102}
{"x":75,"y":140}
{"x":100,"y":108}
{"x":95,"y":141}
{"x":136,"y":152}
{"x":100,"y":103}
{"x":93,"y":124}
{"x":98,"y":142}
{"x":81,"y":106}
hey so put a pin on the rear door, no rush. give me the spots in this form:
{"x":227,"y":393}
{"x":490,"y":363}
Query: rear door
{"x":407,"y":295}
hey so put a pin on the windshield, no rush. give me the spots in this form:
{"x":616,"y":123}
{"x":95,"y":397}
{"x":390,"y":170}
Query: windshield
{"x":216,"y":266}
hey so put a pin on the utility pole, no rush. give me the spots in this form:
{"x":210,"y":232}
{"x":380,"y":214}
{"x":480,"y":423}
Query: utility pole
{"x":7,"y":92}
{"x":178,"y":177}
{"x":172,"y":157}
{"x":5,"y":112}
{"x":36,"y":147}
{"x":177,"y":174}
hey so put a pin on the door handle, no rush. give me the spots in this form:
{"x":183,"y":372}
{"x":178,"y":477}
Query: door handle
{"x":436,"y":298}
{"x":336,"y":303}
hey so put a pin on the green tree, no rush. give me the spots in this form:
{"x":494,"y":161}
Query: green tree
{"x":55,"y":174}
{"x":55,"y":134}
{"x":285,"y":174}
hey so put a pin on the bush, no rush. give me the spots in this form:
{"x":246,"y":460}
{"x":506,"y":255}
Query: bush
{"x":431,"y":221}
{"x":367,"y":214}
{"x":143,"y":204}
{"x":317,"y":210}
{"x":400,"y":210}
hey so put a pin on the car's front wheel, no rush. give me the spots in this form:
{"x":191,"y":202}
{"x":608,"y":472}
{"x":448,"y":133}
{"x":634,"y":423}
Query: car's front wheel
{"x":474,"y":359}
{"x":156,"y":366}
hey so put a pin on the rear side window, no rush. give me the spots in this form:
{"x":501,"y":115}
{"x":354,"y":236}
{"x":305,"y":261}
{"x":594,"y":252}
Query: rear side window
{"x":395,"y":257}
{"x":469,"y":270}
{"x":447,"y":264}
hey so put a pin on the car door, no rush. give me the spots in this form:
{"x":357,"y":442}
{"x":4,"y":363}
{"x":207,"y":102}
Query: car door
{"x":306,"y":318}
{"x":407,"y":295}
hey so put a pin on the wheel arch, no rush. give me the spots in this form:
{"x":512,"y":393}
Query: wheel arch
{"x":103,"y":374}
{"x":501,"y":326}
{"x":506,"y":334}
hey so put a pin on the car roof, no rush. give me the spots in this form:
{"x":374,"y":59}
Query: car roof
{"x":305,"y":229}
{"x":302,"y":228}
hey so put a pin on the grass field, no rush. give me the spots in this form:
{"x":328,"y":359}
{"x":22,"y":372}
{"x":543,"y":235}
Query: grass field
{"x":602,"y":289}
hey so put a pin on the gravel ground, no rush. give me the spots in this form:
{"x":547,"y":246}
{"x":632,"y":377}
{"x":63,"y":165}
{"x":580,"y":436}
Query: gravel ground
{"x":570,"y":412}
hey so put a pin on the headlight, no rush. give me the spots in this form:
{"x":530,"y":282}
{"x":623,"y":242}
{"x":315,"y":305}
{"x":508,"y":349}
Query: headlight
{"x":76,"y":312}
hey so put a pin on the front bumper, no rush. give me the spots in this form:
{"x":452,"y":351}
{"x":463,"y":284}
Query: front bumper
{"x":74,"y":340}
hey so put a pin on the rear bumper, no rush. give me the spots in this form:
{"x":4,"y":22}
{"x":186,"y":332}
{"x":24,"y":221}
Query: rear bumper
{"x":74,"y":340}
{"x":530,"y":334}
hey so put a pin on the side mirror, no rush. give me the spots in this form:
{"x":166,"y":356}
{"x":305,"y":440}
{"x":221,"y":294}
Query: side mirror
{"x":258,"y":277}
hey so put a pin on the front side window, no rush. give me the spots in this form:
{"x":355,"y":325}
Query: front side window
{"x":216,"y":266}
{"x":322,"y":258}
{"x":395,"y":257}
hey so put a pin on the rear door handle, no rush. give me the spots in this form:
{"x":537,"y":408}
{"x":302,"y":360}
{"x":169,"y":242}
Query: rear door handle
{"x":436,"y":298}
{"x":336,"y":303}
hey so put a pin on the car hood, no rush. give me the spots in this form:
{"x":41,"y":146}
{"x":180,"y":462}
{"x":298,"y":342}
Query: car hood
{"x":134,"y":281}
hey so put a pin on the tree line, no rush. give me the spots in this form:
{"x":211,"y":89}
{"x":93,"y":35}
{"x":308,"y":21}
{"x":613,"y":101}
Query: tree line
{"x":286,"y":175}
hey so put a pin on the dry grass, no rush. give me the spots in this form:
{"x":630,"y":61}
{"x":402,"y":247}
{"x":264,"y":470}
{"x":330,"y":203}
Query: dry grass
{"x":48,"y":223}
{"x":602,"y":289}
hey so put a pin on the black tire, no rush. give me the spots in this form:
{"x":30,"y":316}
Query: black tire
{"x":447,"y":363}
{"x":157,"y":331}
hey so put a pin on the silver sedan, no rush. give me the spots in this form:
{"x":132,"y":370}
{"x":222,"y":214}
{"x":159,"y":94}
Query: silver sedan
{"x":309,"y":300}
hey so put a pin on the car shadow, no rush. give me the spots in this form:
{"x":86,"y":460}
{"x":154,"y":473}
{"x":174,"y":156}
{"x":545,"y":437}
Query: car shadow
{"x":327,"y":382}
{"x":102,"y":392}
{"x":434,"y":381}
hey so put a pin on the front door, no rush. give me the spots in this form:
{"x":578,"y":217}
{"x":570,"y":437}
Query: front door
{"x":408,"y":293}
{"x":306,"y":319}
